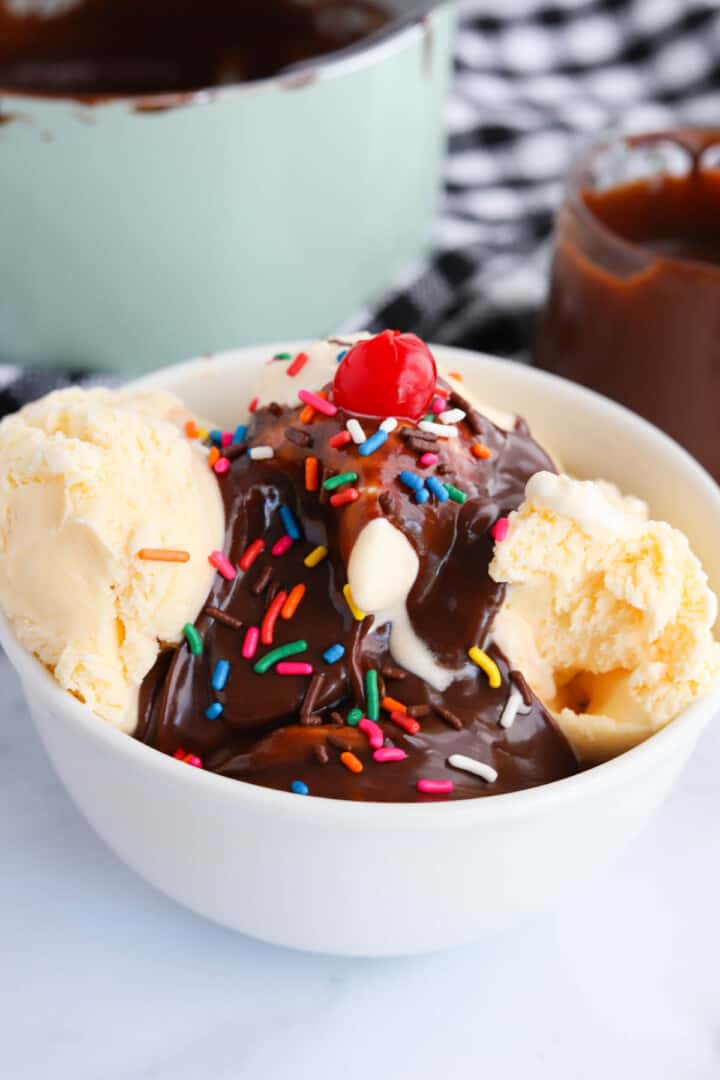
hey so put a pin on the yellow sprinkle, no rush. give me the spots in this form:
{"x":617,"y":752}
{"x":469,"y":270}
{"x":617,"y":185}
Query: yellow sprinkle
{"x":316,"y":556}
{"x":202,"y":433}
{"x":488,"y":666}
{"x":356,"y":612}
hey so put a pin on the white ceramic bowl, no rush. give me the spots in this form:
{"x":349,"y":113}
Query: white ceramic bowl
{"x":373,"y":879}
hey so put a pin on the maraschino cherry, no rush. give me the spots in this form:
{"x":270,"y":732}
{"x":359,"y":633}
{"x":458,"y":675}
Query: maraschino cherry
{"x":392,"y":374}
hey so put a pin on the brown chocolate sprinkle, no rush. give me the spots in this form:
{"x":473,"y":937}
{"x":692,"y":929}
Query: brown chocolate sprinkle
{"x":394,"y":672}
{"x":418,"y":446}
{"x":274,"y":409}
{"x":338,"y":743}
{"x":520,"y":681}
{"x":263,"y":581}
{"x":297,"y":436}
{"x":272,"y":593}
{"x":449,"y":717}
{"x":337,"y":718}
{"x":312,"y":720}
{"x":442,"y":469}
{"x":385,"y":502}
{"x":223,"y":617}
{"x":418,"y":711}
{"x":409,"y":433}
{"x":321,"y":754}
{"x":311,"y":696}
{"x":235,"y":451}
{"x":382,"y":688}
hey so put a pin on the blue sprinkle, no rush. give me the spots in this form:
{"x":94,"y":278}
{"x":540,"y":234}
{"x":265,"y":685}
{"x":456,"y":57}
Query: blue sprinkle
{"x":213,"y":711}
{"x":216,"y":437}
{"x":342,"y":355}
{"x":334,"y":653}
{"x":372,"y":444}
{"x":290,"y":522}
{"x":437,"y":489}
{"x":422,"y":495}
{"x":299,"y":788}
{"x":411,"y":480}
{"x":220,"y":675}
{"x":240,"y":433}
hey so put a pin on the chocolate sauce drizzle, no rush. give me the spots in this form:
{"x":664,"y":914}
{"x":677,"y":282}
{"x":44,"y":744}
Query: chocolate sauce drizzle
{"x":275,"y":729}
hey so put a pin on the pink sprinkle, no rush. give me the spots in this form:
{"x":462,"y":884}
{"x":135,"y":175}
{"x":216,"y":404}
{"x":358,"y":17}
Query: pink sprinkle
{"x":221,"y":465}
{"x":389,"y":753}
{"x":226,"y":439}
{"x":316,"y":402}
{"x":500,"y":529}
{"x":435,"y":787}
{"x":428,"y":459}
{"x":282,"y":545}
{"x":250,"y":642}
{"x":222,"y":565}
{"x":193,"y":759}
{"x":373,"y":732}
{"x":438,"y":405}
{"x":293,"y":667}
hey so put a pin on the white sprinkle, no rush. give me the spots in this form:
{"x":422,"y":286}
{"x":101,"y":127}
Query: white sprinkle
{"x":443,"y":431}
{"x":389,"y":425}
{"x":512,"y":708}
{"x":469,"y":764}
{"x":260,"y":453}
{"x":357,"y":433}
{"x":451,"y":416}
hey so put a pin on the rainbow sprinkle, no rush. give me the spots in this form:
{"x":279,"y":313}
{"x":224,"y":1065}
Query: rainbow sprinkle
{"x":389,"y":753}
{"x":298,"y":787}
{"x":333,"y":482}
{"x":437,"y":489}
{"x":334,"y":653}
{"x":354,"y":717}
{"x":163,"y":555}
{"x":456,"y":494}
{"x":298,"y":364}
{"x":411,"y":480}
{"x":428,"y":459}
{"x":214,"y":711}
{"x":316,"y":556}
{"x":282,"y":545}
{"x":487,"y":664}
{"x":357,"y":614}
{"x":435,"y":787}
{"x":290,"y":522}
{"x":443,"y":431}
{"x":250,"y":554}
{"x":318,"y":403}
{"x":293,"y":667}
{"x":194,"y":641}
{"x":250,"y":642}
{"x":372,"y":698}
{"x":261,"y":453}
{"x":373,"y":443}
{"x":500,"y":529}
{"x":342,"y":498}
{"x":280,"y":653}
{"x":220,"y":675}
{"x":355,"y":431}
{"x":472,"y":765}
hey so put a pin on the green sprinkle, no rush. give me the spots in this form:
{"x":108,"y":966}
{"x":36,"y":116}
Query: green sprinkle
{"x":280,"y":653}
{"x":433,"y":420}
{"x":283,"y":356}
{"x":193,"y":639}
{"x":354,"y":717}
{"x":372,"y":699}
{"x":455,"y":494}
{"x":333,"y":482}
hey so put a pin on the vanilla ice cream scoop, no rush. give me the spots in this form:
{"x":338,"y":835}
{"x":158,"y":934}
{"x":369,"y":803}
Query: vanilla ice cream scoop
{"x":609,"y":615}
{"x":89,"y":478}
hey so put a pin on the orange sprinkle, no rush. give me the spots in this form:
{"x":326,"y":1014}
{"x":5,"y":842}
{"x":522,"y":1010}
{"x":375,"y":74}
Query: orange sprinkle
{"x":479,"y":450}
{"x":293,"y":601}
{"x":213,"y":456}
{"x":351,"y":762}
{"x":456,"y":375}
{"x":312,"y":474}
{"x":163,"y":555}
{"x":391,"y":705}
{"x":191,"y":429}
{"x":306,"y":414}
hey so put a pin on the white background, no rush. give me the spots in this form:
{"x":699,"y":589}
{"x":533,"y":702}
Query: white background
{"x":103,"y":978}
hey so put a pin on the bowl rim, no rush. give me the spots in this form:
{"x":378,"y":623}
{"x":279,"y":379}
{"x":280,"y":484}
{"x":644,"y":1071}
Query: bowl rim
{"x":372,"y":48}
{"x":39,"y":683}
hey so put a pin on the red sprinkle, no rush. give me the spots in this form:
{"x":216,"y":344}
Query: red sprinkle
{"x":298,"y":363}
{"x":443,"y":391}
{"x":222,"y":564}
{"x":435,"y":787}
{"x":282,"y":545}
{"x":267,"y":626}
{"x":253,"y":404}
{"x":250,"y":554}
{"x":341,"y":439}
{"x":405,"y":722}
{"x":500,"y":529}
{"x":180,"y":755}
{"x":341,"y":498}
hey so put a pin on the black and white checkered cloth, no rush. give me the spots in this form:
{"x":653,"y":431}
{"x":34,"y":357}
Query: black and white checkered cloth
{"x":535,"y":81}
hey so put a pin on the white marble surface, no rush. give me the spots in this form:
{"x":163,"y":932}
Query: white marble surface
{"x":102,"y":978}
